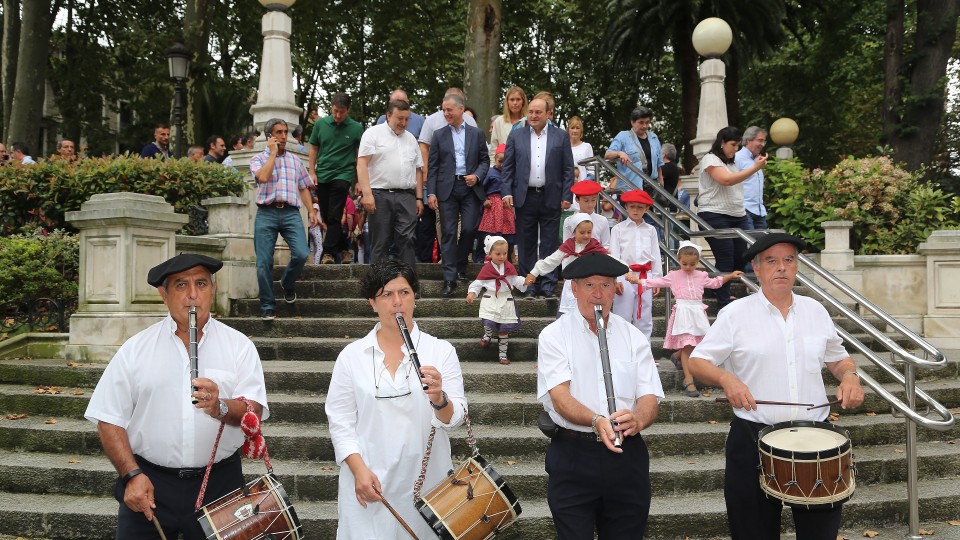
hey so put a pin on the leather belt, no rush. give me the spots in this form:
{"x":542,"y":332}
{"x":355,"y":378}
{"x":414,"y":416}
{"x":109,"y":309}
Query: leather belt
{"x":188,"y":472}
{"x":757,"y":426}
{"x":458,"y":177}
{"x":410,"y":190}
{"x":276,"y":205}
{"x":565,"y":433}
{"x":537,"y":189}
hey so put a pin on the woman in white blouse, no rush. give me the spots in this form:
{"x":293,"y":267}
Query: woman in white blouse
{"x":380,"y":417}
{"x":514,"y":110}
{"x":720,"y":202}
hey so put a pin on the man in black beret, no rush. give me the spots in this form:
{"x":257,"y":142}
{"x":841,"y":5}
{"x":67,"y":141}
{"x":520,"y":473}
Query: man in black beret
{"x":156,"y":438}
{"x":612,"y":494}
{"x":773,"y":345}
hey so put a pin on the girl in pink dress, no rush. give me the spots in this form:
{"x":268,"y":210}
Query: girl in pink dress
{"x":688,"y":321}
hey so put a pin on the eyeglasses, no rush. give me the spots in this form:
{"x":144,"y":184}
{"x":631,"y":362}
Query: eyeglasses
{"x":378,"y":378}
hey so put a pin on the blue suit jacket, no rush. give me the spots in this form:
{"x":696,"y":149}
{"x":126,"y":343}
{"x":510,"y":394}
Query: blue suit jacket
{"x":443,"y":161}
{"x":559,"y":167}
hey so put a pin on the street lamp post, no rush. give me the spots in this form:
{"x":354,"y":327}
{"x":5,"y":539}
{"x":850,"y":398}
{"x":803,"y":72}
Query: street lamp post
{"x":711,"y":38}
{"x":784,"y":132}
{"x":178,"y":57}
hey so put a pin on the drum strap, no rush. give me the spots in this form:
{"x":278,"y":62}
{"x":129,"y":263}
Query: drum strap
{"x":213,"y":455}
{"x":471,"y":442}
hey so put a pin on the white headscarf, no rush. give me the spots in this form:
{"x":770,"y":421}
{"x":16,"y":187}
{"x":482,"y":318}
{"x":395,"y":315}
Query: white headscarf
{"x":687,"y":243}
{"x":577,"y":219}
{"x":489,"y":241}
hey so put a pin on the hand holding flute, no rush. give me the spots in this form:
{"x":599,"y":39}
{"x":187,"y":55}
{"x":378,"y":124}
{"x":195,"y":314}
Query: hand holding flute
{"x":607,"y":373}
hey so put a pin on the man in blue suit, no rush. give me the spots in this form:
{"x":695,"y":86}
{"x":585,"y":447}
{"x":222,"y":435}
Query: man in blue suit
{"x":536,"y":179}
{"x":458,"y":163}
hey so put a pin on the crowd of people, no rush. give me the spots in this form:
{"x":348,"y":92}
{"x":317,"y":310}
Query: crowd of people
{"x":389,"y":408}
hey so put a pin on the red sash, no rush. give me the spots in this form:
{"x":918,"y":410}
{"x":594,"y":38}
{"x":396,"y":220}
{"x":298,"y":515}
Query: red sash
{"x":490,"y":272}
{"x":640,"y":269}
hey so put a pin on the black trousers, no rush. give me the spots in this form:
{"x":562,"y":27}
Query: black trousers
{"x":750,"y":513}
{"x":591,"y":488}
{"x":726,"y":251}
{"x":537,"y":222}
{"x":426,"y":235}
{"x":464,"y":207}
{"x":175,"y":498}
{"x":332,"y":198}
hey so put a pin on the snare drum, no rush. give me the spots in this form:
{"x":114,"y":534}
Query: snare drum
{"x":808,"y":464}
{"x":261,"y":509}
{"x":473,"y":503}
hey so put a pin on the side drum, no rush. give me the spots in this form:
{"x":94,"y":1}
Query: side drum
{"x":473,"y":503}
{"x":808,"y":464}
{"x":261,"y":509}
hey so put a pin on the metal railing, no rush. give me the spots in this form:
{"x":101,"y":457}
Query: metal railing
{"x":931,"y":357}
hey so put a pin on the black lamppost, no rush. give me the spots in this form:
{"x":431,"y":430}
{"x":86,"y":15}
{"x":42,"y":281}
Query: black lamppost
{"x":179,"y":58}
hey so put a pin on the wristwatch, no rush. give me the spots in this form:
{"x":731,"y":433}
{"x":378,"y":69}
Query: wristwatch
{"x":443,"y":404}
{"x":223,"y":410}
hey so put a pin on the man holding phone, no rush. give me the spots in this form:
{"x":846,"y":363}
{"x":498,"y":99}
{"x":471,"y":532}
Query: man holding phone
{"x":283,"y":183}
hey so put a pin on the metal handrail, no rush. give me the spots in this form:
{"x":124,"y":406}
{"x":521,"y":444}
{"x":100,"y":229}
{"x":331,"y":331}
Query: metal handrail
{"x":911,"y":361}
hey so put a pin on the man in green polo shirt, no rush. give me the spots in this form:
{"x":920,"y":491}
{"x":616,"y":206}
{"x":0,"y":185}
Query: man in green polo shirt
{"x":334,"y":143}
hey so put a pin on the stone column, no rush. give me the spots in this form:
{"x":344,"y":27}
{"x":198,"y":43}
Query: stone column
{"x":229,"y":221}
{"x":941,"y":325}
{"x":713,"y":105}
{"x":837,"y":258}
{"x":122,"y":236}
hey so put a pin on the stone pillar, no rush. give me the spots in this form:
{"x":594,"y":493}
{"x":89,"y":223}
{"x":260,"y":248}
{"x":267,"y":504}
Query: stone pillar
{"x":837,"y":258}
{"x":230,"y":223}
{"x":122,"y":236}
{"x":713,"y":105}
{"x":941,"y":325}
{"x":275,"y":93}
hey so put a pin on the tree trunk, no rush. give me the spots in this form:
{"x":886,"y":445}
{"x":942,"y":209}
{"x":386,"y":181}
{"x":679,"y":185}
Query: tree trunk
{"x":732,"y":93}
{"x":686,"y":58}
{"x":9,"y":51}
{"x":892,"y":61}
{"x":196,"y":36}
{"x":481,"y":77}
{"x":923,"y":103}
{"x":27,"y":108}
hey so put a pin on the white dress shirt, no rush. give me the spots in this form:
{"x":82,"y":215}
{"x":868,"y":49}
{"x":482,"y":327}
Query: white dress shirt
{"x":568,"y":351}
{"x":538,"y":158}
{"x":778,"y":359}
{"x":145,"y":389}
{"x":394,"y":158}
{"x":389,"y":434}
{"x":635,"y":243}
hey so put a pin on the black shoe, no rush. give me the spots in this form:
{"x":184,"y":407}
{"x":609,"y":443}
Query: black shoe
{"x":462,"y":276}
{"x":530,"y":294}
{"x":290,"y":296}
{"x":267,"y":315}
{"x":448,"y":287}
{"x":548,"y":294}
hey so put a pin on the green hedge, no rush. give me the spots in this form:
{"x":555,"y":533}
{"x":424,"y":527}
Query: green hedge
{"x":39,"y":265}
{"x":891,"y":210}
{"x":40,"y":195}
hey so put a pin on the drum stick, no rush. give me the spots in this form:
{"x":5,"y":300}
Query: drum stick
{"x":159,"y":529}
{"x":762,"y":402}
{"x":394,"y":512}
{"x":827,"y":404}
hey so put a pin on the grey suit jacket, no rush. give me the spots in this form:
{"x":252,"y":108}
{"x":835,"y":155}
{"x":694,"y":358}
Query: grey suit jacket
{"x":443,"y":162}
{"x":559,"y":167}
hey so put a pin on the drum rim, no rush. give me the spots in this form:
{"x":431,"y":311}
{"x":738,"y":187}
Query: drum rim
{"x":806,"y":455}
{"x":274,"y":485}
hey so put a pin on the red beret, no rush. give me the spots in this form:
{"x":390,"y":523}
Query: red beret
{"x":586,"y":187}
{"x":638,"y":196}
{"x":501,"y":148}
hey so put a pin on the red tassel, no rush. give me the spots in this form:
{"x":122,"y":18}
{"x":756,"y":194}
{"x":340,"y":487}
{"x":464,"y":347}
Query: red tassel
{"x":254,"y":447}
{"x":250,"y":425}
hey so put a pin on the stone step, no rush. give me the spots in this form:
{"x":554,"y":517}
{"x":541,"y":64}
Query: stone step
{"x":698,"y":515}
{"x":492,"y":409}
{"x":77,"y":474}
{"x":296,"y":441}
{"x":357,"y":327}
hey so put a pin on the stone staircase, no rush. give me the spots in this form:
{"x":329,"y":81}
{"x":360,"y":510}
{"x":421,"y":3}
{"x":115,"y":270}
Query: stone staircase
{"x":55,"y":481}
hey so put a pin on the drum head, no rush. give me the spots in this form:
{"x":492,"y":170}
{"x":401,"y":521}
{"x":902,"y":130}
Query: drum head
{"x":803,"y":440}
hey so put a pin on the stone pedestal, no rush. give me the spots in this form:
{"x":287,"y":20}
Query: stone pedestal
{"x":713,"y":105}
{"x":122,"y":236}
{"x":230,"y":223}
{"x":275,"y":93}
{"x":837,"y":258}
{"x":941,"y":325}
{"x":784,"y":152}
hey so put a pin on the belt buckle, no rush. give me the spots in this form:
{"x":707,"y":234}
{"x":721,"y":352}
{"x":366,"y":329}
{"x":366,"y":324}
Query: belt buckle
{"x":280,"y":205}
{"x":186,"y":473}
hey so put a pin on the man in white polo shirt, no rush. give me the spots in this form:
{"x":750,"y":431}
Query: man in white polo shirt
{"x":390,"y":179}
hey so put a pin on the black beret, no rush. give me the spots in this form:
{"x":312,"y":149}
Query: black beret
{"x":180,"y":263}
{"x":767,"y":241}
{"x":594,"y":264}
